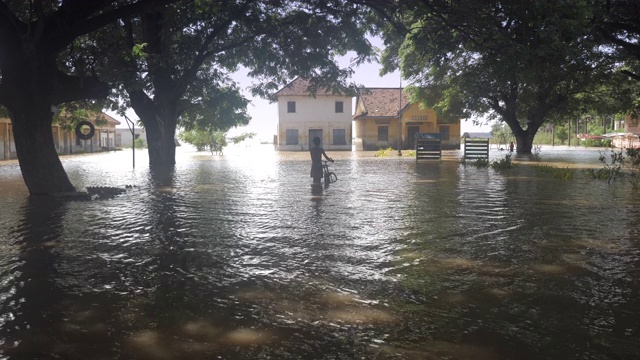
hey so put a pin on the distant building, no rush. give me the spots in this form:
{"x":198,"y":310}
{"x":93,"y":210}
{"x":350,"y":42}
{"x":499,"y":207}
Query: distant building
{"x":384,"y":118}
{"x":301,"y":117}
{"x":124,"y":138}
{"x":630,"y":137}
{"x":66,"y":141}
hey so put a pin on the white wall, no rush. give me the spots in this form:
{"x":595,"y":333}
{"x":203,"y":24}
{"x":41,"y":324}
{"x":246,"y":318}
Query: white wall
{"x":314,"y":113}
{"x":124,"y":138}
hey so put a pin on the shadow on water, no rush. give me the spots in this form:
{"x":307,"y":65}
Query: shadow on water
{"x":31,"y":298}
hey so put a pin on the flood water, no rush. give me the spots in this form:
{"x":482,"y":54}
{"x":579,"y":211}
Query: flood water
{"x":238,"y":257}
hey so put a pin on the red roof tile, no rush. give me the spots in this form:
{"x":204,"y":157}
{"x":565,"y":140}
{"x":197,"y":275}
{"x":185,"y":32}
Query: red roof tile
{"x":381,"y":102}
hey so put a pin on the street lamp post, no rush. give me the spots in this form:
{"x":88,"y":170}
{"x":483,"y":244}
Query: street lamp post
{"x":132,"y":129}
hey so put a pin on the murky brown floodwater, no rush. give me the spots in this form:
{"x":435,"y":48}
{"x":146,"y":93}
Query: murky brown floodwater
{"x":236,"y":257}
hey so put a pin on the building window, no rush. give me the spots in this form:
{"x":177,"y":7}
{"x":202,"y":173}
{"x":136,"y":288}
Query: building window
{"x":339,"y":106}
{"x":383,"y":133}
{"x":291,"y":106}
{"x":419,"y":118}
{"x":444,"y":133}
{"x":339,"y":137}
{"x":292,"y":136}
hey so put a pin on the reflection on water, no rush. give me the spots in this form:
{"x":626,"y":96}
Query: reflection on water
{"x":239,"y":256}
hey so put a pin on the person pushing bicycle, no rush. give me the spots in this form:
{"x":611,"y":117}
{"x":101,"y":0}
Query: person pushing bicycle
{"x":316,"y":160}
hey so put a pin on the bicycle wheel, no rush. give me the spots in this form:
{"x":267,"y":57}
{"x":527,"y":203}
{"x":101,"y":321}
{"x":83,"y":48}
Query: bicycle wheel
{"x":333,"y":177}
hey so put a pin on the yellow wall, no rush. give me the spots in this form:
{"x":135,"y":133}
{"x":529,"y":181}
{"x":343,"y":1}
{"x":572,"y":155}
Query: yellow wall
{"x":367,"y":129}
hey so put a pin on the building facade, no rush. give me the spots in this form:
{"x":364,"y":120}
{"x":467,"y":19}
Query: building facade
{"x":384,"y":117}
{"x":124,"y":137}
{"x":630,"y":137}
{"x":301,"y":117}
{"x":66,"y":141}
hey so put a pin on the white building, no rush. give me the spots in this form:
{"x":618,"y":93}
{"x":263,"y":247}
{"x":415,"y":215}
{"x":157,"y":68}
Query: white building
{"x":301,"y":117}
{"x":124,"y":138}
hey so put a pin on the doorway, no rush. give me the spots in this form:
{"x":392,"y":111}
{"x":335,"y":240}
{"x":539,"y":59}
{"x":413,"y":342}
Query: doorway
{"x":312,"y":134}
{"x":411,"y":136}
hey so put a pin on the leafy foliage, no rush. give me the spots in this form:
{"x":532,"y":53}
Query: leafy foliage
{"x":597,"y":143}
{"x":175,"y":64}
{"x":561,"y":133}
{"x":211,"y":140}
{"x":501,"y":134}
{"x":611,"y":168}
{"x":557,"y":172}
{"x":68,"y":115}
{"x":521,"y":62}
{"x":502,"y":164}
{"x":632,"y":163}
{"x":384,"y":152}
{"x":479,"y":163}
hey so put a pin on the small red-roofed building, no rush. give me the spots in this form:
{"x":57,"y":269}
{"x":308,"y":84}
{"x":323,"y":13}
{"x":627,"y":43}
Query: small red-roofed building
{"x":64,"y":137}
{"x":384,"y":117}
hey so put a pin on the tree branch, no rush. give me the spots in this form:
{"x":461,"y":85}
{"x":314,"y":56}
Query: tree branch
{"x":632,"y":75}
{"x":11,"y":25}
{"x":91,"y":24}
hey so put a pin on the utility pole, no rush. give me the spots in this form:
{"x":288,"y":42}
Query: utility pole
{"x":400,"y":119}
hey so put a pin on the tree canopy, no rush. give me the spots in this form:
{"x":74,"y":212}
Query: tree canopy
{"x":174,"y":64}
{"x":520,"y":62}
{"x":212,"y":140}
{"x":35,"y":77}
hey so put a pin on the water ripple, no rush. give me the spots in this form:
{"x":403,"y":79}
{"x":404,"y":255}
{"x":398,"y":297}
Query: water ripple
{"x":238,"y":256}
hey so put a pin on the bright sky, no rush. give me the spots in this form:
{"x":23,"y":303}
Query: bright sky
{"x":264,"y":115}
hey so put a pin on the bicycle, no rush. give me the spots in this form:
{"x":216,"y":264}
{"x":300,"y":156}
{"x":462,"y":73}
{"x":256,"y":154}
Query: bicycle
{"x":329,"y":176}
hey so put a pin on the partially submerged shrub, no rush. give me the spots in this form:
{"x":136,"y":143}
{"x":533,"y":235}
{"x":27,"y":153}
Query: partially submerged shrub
{"x":383,"y":152}
{"x":556,"y":172}
{"x":536,"y":153}
{"x":633,"y":164}
{"x":611,"y":169}
{"x":502,"y":164}
{"x":479,"y":163}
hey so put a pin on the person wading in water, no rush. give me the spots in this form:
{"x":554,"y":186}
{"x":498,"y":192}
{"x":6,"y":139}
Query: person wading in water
{"x":316,"y":160}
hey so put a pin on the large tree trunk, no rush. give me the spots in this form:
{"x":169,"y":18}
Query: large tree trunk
{"x":524,"y":138}
{"x":160,"y":124}
{"x":524,"y":142}
{"x":31,"y":81}
{"x":161,"y":141}
{"x":41,"y":167}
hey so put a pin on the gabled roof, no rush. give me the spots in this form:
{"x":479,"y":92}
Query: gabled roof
{"x":109,"y":119}
{"x":381,"y":102}
{"x":300,"y":87}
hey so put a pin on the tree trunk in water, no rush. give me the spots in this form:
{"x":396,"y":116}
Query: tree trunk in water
{"x":39,"y":162}
{"x":524,"y":138}
{"x":160,"y":124}
{"x":524,"y":143}
{"x":161,"y":143}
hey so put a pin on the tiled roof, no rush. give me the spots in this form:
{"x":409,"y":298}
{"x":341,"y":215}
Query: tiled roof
{"x":381,"y":102}
{"x":300,"y":87}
